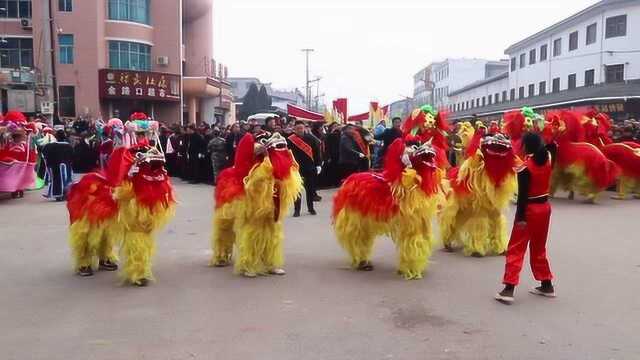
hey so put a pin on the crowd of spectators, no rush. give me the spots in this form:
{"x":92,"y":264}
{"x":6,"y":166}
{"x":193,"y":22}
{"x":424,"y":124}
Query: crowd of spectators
{"x":197,"y":153}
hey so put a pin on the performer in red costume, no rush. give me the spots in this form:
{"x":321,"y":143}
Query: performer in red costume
{"x":531,"y":222}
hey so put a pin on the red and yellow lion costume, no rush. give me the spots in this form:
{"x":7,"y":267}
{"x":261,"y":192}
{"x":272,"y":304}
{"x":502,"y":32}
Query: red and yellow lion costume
{"x":580,"y":166}
{"x":251,"y":200}
{"x":399,"y":202}
{"x":130,"y":201}
{"x":480,"y":191}
{"x":626,"y":155}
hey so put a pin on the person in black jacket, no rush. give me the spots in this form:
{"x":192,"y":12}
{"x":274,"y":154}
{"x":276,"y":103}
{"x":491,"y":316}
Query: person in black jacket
{"x":352,"y":157}
{"x":196,"y":152}
{"x":306,"y":151}
{"x":331,"y":173}
{"x":232,"y":141}
{"x":58,"y":157}
{"x":388,"y":136}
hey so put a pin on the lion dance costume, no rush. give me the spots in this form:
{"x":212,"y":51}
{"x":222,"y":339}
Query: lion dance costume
{"x":399,"y":202}
{"x":625,"y":155}
{"x":480,"y":191}
{"x":251,"y":200}
{"x":426,"y":124}
{"x":580,"y":166}
{"x":128,"y":202}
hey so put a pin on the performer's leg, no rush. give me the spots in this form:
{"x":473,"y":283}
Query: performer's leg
{"x":356,"y":236}
{"x":222,"y":242}
{"x":106,"y":254}
{"x":414,"y":250}
{"x":538,"y":217}
{"x":310,"y":193}
{"x":498,"y":234}
{"x":477,"y":241}
{"x":80,"y":249}
{"x":515,"y":254}
{"x":621,"y":189}
{"x":449,"y":224}
{"x":273,"y":256}
{"x":137,"y":252}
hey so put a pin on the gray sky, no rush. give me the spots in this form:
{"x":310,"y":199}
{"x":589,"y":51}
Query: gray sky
{"x":369,"y":49}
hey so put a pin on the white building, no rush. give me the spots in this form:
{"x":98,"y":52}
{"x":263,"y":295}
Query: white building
{"x":589,"y":59}
{"x":451,"y":75}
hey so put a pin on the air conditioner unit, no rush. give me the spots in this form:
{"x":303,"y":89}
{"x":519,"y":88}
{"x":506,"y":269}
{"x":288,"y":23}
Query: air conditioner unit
{"x":163,"y":60}
{"x":26,"y":24}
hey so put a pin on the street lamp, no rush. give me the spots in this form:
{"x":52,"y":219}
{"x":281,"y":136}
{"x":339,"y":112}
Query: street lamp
{"x":308,"y":94}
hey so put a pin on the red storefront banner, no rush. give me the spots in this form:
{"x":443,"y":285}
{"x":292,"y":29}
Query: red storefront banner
{"x":141,"y":85}
{"x":303,"y":114}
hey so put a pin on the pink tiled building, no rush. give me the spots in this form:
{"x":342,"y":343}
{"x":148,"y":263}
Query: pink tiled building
{"x":113,"y":57}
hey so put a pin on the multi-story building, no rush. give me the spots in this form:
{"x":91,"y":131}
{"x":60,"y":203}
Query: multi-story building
{"x":113,"y":57}
{"x":589,"y":59}
{"x":450,"y":75}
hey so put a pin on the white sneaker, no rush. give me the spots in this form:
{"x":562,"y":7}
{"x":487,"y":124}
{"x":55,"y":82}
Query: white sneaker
{"x":249,"y":274}
{"x":277,"y":271}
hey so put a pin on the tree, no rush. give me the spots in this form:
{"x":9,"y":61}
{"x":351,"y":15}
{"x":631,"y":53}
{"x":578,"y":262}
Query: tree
{"x":264,"y":100}
{"x":250,"y":102}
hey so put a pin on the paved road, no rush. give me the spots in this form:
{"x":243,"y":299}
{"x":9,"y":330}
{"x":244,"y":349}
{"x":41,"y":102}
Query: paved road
{"x":320,"y":310}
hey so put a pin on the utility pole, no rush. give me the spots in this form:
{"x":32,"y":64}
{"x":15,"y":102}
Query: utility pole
{"x":54,"y":80}
{"x":308,"y":94}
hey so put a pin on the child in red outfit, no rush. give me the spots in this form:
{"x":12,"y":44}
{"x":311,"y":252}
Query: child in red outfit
{"x":531,"y":222}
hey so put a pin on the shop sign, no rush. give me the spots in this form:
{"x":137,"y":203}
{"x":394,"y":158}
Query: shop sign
{"x":142,"y":85}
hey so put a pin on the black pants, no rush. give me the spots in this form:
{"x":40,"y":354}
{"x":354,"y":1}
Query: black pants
{"x":309,"y":180}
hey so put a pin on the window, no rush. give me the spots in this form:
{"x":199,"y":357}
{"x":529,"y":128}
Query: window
{"x":496,"y":98}
{"x":16,"y":53}
{"x":484,"y":100}
{"x":571,"y":81}
{"x":504,"y":96}
{"x":522,"y":60}
{"x":542,"y":88}
{"x":573,"y":41}
{"x":129,"y":56}
{"x":129,"y":10}
{"x":67,"y":99}
{"x":592,"y":33}
{"x":557,"y":47}
{"x":614,"y":73}
{"x":532,"y":90}
{"x":532,"y":56}
{"x":65,"y":5}
{"x":466,"y":107}
{"x":512,"y":95}
{"x":513,"y":64}
{"x":15,"y":9}
{"x":616,"y":26}
{"x":521,"y":92}
{"x":556,"y":85}
{"x":489,"y":98}
{"x":543,"y":52}
{"x":589,"y":77}
{"x":66,"y":49}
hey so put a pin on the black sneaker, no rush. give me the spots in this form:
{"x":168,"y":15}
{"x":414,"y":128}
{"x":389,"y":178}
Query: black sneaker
{"x":506,"y":295}
{"x":313,"y":212}
{"x":296,"y":214}
{"x":365,"y":266}
{"x":545,"y":291}
{"x":141,"y":283}
{"x":317,"y":198}
{"x":85,"y":271}
{"x":107,"y":265}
